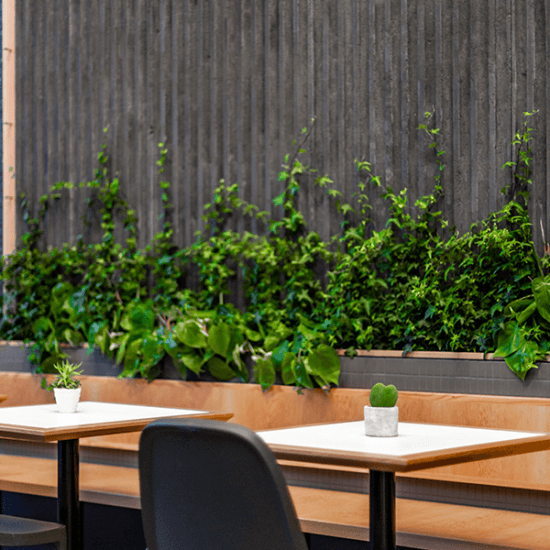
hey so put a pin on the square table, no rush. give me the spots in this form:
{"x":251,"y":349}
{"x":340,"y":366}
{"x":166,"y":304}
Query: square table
{"x":45,"y":423}
{"x":416,"y":447}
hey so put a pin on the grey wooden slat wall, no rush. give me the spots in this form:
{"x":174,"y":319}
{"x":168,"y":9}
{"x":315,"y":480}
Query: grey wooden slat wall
{"x":228,"y":84}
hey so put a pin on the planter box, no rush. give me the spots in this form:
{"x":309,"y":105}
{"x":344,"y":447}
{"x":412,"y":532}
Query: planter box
{"x":13,"y":358}
{"x":439,"y":372}
{"x":442,"y":372}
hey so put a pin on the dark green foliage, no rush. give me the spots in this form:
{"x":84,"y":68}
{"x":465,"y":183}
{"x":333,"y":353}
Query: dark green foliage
{"x":413,"y":284}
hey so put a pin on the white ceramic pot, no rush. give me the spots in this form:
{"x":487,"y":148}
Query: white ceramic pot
{"x":67,"y":399}
{"x":381,"y":421}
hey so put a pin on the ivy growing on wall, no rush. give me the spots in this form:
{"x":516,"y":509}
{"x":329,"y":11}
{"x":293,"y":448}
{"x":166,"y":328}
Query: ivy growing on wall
{"x":413,"y":284}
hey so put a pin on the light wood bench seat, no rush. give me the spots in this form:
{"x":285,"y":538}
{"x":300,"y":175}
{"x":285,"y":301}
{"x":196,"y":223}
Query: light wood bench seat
{"x":283,"y":406}
{"x":420,"y":524}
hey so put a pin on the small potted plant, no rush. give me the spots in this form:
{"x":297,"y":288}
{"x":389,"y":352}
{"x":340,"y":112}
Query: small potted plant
{"x":66,"y":387}
{"x":382,"y":416}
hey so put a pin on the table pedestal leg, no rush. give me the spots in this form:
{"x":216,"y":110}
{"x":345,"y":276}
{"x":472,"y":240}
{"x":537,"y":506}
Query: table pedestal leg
{"x":382,"y":510}
{"x":68,"y":492}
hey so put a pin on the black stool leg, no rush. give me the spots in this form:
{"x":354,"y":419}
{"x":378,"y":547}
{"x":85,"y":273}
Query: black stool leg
{"x":68,"y":492}
{"x":382,"y":510}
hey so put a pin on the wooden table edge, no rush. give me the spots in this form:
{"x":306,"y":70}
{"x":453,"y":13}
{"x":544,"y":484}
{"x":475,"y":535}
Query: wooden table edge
{"x":89,"y":430}
{"x":413,"y":462}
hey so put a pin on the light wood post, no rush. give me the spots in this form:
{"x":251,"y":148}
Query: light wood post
{"x":8,"y":126}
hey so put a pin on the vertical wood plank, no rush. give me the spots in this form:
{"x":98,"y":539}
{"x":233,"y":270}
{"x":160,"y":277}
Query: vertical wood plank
{"x":141,"y":160}
{"x":51,"y":123}
{"x":28,"y":173}
{"x":229,"y":85}
{"x":118,"y":107}
{"x":18,"y":121}
{"x":38,"y":121}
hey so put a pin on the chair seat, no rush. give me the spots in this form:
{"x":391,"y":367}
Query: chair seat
{"x":16,"y":531}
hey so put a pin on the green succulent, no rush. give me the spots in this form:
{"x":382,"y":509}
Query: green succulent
{"x":383,"y":396}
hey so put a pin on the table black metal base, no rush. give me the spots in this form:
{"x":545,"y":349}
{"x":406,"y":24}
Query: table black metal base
{"x":68,"y":492}
{"x":382,"y":510}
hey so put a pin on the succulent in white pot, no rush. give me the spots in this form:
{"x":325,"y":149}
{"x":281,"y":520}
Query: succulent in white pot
{"x":382,"y":416}
{"x":66,"y":387}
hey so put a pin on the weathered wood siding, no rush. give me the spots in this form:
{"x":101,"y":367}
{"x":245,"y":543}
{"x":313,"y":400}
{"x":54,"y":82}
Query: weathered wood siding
{"x":228,"y":84}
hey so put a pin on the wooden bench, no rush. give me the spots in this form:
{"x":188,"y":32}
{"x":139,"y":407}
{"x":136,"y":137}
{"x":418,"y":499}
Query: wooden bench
{"x":317,"y":508}
{"x":420,"y":524}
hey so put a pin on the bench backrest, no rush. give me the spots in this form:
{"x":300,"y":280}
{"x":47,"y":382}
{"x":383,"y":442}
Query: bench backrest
{"x":282,"y":406}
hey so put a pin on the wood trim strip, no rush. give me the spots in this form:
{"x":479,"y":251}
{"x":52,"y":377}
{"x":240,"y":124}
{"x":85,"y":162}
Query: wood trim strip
{"x":8,"y":125}
{"x":462,"y":355}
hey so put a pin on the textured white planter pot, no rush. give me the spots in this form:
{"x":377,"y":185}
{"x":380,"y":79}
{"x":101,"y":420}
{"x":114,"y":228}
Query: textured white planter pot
{"x":67,"y":399}
{"x":381,"y":421}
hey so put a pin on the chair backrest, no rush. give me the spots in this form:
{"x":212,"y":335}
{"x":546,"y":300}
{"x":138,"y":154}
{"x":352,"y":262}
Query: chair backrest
{"x":211,"y":485}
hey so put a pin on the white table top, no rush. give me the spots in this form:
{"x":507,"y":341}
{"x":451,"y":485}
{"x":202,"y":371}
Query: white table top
{"x":46,"y":423}
{"x":417,"y":446}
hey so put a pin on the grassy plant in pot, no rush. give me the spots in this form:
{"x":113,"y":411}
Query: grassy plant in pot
{"x":66,"y":387}
{"x":382,"y":416}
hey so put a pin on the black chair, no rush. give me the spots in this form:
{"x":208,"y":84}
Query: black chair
{"x":209,"y":485}
{"x":16,"y":531}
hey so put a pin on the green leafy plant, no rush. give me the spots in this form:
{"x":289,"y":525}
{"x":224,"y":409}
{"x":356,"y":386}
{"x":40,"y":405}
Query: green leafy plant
{"x":383,"y":396}
{"x":522,"y":339}
{"x":413,"y":284}
{"x":66,"y":377}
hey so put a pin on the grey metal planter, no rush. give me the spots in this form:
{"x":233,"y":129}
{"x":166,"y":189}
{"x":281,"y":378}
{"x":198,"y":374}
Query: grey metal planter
{"x":439,"y":372}
{"x":442,"y":372}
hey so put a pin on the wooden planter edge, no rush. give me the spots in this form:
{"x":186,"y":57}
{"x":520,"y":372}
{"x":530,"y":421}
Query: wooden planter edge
{"x":464,"y":355}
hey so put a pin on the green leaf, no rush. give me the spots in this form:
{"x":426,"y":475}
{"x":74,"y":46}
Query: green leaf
{"x":541,"y":291}
{"x":47,"y":365}
{"x":271,"y":341}
{"x":77,"y":301}
{"x":279,"y":353}
{"x":526,"y":313}
{"x":219,"y":337}
{"x":152,"y":350}
{"x":122,"y":348}
{"x":175,"y":349}
{"x":125,"y":323}
{"x":189,"y":332}
{"x":142,"y":317}
{"x":288,"y":368}
{"x":508,"y":339}
{"x":220,"y":369}
{"x":242,"y":372}
{"x":309,"y":334}
{"x":193,"y":361}
{"x":518,"y":305}
{"x":72,"y":337}
{"x":252,"y":335}
{"x":523,"y":359}
{"x":324,"y":362}
{"x":42,"y":325}
{"x":264,"y":372}
{"x":95,"y":327}
{"x":103,"y":342}
{"x":302,"y":377}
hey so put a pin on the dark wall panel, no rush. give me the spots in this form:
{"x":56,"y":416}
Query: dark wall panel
{"x":228,"y":84}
